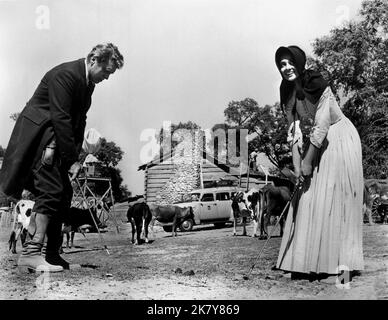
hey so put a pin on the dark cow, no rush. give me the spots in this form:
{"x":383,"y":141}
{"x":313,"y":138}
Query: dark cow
{"x":170,"y":213}
{"x":80,"y":220}
{"x":138,"y":198}
{"x":139,"y":215}
{"x":274,"y":200}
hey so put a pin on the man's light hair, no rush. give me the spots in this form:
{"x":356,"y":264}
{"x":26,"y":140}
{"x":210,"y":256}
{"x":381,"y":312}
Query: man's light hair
{"x":107,"y":52}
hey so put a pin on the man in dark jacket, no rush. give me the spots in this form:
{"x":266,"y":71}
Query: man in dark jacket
{"x":43,"y":152}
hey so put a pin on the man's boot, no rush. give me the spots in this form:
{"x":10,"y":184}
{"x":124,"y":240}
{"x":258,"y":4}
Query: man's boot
{"x":31,"y":257}
{"x":54,"y":244}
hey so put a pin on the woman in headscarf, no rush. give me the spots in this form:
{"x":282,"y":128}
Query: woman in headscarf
{"x":323,"y":231}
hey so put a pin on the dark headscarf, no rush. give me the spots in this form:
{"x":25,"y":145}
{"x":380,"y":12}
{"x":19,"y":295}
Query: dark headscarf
{"x":313,"y":84}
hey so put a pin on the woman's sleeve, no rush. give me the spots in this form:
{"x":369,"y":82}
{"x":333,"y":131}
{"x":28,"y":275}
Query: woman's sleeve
{"x":294,"y":135}
{"x":322,"y":119}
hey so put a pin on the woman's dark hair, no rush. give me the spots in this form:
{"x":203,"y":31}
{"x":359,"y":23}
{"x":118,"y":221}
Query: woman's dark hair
{"x":313,"y":84}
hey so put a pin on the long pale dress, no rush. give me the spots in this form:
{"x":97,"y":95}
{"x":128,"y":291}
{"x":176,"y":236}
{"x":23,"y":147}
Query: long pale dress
{"x":323,"y":230}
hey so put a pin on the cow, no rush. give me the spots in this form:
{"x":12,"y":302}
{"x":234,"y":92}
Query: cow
{"x":79,"y":219}
{"x":253,"y":203}
{"x":274,"y":199}
{"x":23,"y":210}
{"x":139,"y":215}
{"x":244,"y":205}
{"x":135,"y":198}
{"x":170,"y":213}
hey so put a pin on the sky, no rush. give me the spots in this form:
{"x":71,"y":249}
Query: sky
{"x":183,"y":59}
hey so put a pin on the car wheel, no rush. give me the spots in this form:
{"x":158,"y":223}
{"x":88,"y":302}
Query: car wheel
{"x":167,"y":228}
{"x":219,"y":224}
{"x":187,"y":225}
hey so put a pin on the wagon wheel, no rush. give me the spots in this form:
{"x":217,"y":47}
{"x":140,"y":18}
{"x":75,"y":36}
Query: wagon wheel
{"x":375,"y":210}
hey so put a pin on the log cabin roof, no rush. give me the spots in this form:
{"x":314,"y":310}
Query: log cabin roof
{"x":169,"y":155}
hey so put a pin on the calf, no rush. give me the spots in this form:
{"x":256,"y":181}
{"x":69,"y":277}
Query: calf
{"x":23,"y":210}
{"x":239,"y":210}
{"x":139,"y":215}
{"x":79,"y":219}
{"x":252,"y":201}
{"x":170,"y":213}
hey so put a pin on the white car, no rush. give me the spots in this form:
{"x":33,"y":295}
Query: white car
{"x":210,"y":205}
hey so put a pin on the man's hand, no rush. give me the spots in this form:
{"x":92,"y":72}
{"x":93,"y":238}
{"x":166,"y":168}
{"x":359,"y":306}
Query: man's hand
{"x":74,"y":170}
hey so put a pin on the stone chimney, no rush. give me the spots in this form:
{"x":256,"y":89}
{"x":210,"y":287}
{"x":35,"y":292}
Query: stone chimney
{"x":186,"y":159}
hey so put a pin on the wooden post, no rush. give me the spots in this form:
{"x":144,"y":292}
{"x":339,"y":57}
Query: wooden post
{"x":239,"y":184}
{"x":145,"y":183}
{"x":266,"y":173}
{"x":248,"y":171}
{"x":201,"y":174}
{"x":113,"y":207}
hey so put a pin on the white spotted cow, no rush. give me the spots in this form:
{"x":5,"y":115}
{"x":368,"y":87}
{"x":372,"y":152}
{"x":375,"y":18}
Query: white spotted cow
{"x":244,"y":205}
{"x":253,"y":202}
{"x":23,"y":210}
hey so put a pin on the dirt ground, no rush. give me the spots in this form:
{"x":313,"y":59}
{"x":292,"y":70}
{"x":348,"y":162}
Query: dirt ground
{"x":204,"y":264}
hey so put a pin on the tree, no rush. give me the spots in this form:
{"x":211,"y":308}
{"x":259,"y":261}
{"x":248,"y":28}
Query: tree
{"x":14,"y":116}
{"x":239,"y":113}
{"x":355,"y":58}
{"x":167,"y":139}
{"x":109,"y":153}
{"x":116,"y":181}
{"x":269,"y":125}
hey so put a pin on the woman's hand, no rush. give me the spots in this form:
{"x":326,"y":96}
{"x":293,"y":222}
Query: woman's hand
{"x":306,"y":169}
{"x":298,"y":175}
